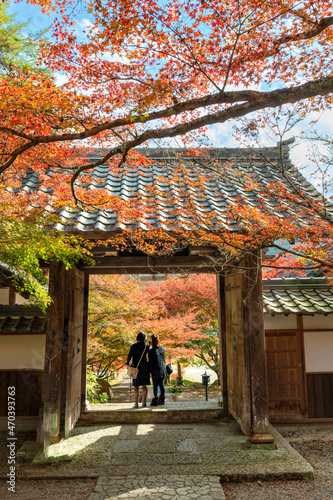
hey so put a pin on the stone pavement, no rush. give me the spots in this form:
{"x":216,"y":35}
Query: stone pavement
{"x":209,"y":449}
{"x":159,"y":487}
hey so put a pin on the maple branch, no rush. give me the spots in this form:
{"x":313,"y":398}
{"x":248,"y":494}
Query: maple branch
{"x":321,"y":26}
{"x":254,"y":101}
{"x":12,"y":131}
{"x":322,"y":262}
{"x":318,"y":28}
{"x":299,"y":268}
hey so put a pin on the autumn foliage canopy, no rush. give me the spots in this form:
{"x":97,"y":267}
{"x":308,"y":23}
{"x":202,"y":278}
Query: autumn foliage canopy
{"x":159,"y":73}
{"x":181,"y":310}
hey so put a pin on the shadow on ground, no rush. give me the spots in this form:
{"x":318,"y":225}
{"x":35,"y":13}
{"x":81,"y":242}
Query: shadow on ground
{"x":219,"y":449}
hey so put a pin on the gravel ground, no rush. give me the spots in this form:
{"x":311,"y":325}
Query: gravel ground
{"x":50,"y":489}
{"x":316,"y":446}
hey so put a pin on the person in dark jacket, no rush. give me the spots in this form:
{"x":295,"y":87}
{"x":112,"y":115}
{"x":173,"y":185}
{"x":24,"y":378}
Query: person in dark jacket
{"x":157,"y":368}
{"x":143,"y":378}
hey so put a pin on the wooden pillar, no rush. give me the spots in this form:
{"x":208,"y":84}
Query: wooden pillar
{"x":53,"y":356}
{"x":238,"y":366}
{"x":220,"y":281}
{"x":84,"y":342}
{"x":255,"y":343}
{"x":12,"y":297}
{"x":74,"y":354}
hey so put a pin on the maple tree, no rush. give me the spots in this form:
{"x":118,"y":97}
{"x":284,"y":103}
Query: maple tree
{"x":170,"y":61}
{"x":155,"y":71}
{"x":121,"y":306}
{"x":24,"y":213}
{"x":196,"y":293}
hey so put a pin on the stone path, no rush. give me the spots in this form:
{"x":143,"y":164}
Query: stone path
{"x":206,"y":451}
{"x":159,"y":487}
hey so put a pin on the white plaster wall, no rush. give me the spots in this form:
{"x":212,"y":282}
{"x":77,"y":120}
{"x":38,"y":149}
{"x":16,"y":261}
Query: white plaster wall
{"x":22,"y":352}
{"x":318,"y":347}
{"x":20,"y":300}
{"x":318,"y":321}
{"x":4,"y":296}
{"x":280,"y":322}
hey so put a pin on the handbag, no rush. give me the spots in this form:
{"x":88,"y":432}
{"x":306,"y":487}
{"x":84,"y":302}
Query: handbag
{"x":132,"y":372}
{"x":169,"y":369}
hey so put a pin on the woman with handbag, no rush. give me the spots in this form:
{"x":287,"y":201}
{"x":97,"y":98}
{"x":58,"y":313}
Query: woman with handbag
{"x":137,"y":358}
{"x":157,"y":368}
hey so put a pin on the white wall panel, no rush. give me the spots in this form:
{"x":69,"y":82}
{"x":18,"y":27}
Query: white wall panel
{"x":280,"y":322}
{"x":318,"y":348}
{"x":318,"y":321}
{"x":21,"y":352}
{"x":20,"y":300}
{"x":4,"y":296}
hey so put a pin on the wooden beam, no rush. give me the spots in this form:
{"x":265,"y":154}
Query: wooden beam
{"x":255,"y":340}
{"x":148,"y":270}
{"x":300,"y":334}
{"x":220,"y":282}
{"x":51,"y":393}
{"x":151,"y":262}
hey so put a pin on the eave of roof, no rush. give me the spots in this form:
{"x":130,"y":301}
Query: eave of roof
{"x":306,"y":296}
{"x":22,"y":320}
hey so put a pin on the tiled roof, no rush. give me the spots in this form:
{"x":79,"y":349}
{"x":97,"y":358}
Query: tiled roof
{"x":22,"y":319}
{"x":171,"y":197}
{"x":297,"y":296}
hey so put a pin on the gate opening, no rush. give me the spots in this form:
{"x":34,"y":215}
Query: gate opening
{"x":181,"y":309}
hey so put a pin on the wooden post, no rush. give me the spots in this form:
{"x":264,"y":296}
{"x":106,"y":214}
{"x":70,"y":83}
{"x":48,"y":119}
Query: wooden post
{"x":220,"y":281}
{"x":255,"y":340}
{"x":84,"y":342}
{"x":74,"y":354}
{"x":53,"y":356}
{"x":12,"y":297}
{"x":238,"y":364}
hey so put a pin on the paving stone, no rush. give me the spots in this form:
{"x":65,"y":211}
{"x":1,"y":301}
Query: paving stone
{"x":96,"y":496}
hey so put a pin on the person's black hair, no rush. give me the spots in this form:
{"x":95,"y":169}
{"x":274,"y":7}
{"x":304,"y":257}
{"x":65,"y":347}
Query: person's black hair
{"x":141,"y":337}
{"x":155,"y":340}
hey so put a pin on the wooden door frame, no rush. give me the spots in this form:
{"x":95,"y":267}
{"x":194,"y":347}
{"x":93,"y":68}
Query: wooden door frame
{"x":52,"y":378}
{"x":252,"y":413}
{"x":74,"y":355}
{"x":252,"y":313}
